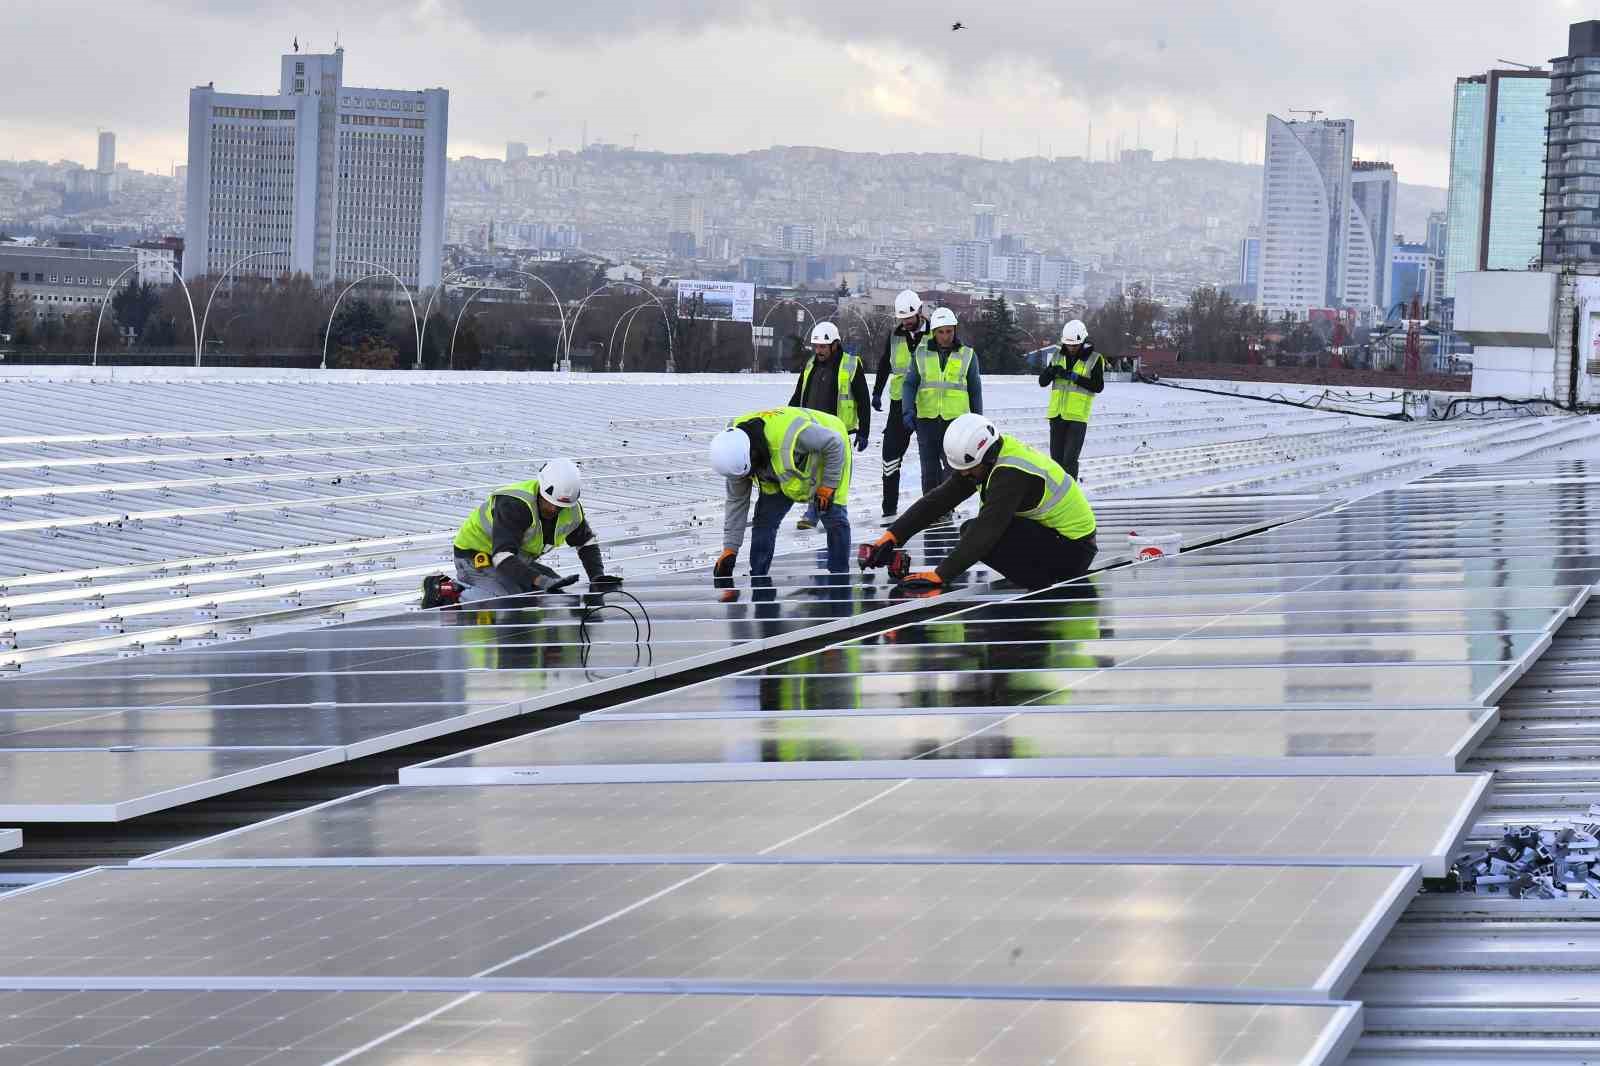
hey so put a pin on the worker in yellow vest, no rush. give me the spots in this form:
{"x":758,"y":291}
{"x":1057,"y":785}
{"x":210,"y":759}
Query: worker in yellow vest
{"x":898,"y":349}
{"x":832,"y":381}
{"x":1035,"y":526}
{"x":1074,"y":376}
{"x":498,"y":547}
{"x":794,"y":456}
{"x":944,"y":384}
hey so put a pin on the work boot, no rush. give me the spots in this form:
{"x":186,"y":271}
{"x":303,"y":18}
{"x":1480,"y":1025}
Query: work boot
{"x":804,"y":523}
{"x":439,"y":591}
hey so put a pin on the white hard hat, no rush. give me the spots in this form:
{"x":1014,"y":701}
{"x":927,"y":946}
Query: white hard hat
{"x":942,"y":317}
{"x":907,"y":304}
{"x":559,"y":482}
{"x":967,"y":440}
{"x":825,"y":333}
{"x":1074,"y":332}
{"x":730,"y":453}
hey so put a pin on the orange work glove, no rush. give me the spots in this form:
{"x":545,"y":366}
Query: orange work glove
{"x":825,"y":498}
{"x":879,"y":552}
{"x":924,"y":580}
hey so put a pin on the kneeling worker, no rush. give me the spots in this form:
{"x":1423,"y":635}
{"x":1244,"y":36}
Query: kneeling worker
{"x":1035,"y":526}
{"x":796,"y":456}
{"x":497,"y":548}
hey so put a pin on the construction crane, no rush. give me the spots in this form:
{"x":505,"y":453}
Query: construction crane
{"x":1414,"y":337}
{"x":1312,"y":111}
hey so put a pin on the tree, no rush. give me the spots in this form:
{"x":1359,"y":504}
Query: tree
{"x":8,"y":306}
{"x":1127,"y":320}
{"x":358,"y":325}
{"x":133,"y":306}
{"x":997,"y":338}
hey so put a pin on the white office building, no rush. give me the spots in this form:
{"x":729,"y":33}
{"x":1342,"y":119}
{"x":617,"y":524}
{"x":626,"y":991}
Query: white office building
{"x":1305,"y":215}
{"x":333,"y":181}
{"x":1374,"y":191}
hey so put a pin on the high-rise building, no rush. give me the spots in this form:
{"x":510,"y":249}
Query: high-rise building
{"x":1305,"y":214}
{"x":108,"y":152}
{"x":1438,"y":232}
{"x":333,"y":181}
{"x":1412,"y":269}
{"x":1571,"y":217}
{"x":1374,"y":189}
{"x":985,"y":222}
{"x":1061,"y":275}
{"x":1015,"y":271}
{"x":965,"y":261}
{"x":1250,"y":262}
{"x":1496,"y":172}
{"x":516,"y":150}
{"x":797,"y":237}
{"x":689,"y":218}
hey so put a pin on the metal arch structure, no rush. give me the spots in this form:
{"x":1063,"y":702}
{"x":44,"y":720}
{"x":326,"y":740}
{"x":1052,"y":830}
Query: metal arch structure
{"x":562,"y":341}
{"x":328,"y":332}
{"x":573,"y":331}
{"x":433,"y":295}
{"x":626,"y":316}
{"x":94,"y":359}
{"x":206,"y":314}
{"x":756,"y":356}
{"x":457,"y":328}
{"x":416,"y":327}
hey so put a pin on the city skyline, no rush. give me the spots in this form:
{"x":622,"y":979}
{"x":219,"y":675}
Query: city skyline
{"x":548,"y":83}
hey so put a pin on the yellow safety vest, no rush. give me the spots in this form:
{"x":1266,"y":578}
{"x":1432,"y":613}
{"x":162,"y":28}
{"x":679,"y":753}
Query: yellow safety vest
{"x":477,"y":532}
{"x":899,"y":363}
{"x":942,"y":388}
{"x":796,"y":478}
{"x":1068,"y":399}
{"x":1063,"y":507}
{"x":846,"y":405}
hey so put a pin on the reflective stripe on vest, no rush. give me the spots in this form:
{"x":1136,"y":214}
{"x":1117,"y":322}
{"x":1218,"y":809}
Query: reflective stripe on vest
{"x":1062,"y":506}
{"x":942,"y":383}
{"x":899,"y":363}
{"x":782,"y":427}
{"x":1068,"y":399}
{"x":477,"y":532}
{"x":845,"y":403}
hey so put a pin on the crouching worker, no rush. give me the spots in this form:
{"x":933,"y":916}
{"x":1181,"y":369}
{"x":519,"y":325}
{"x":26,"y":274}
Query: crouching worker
{"x":1035,"y":526}
{"x":795,"y":456}
{"x":498,"y":547}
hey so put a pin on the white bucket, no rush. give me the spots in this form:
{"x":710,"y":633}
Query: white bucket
{"x":1158,"y":544}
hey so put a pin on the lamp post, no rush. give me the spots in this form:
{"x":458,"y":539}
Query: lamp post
{"x":327,"y":333}
{"x":416,"y":327}
{"x":573,"y":329}
{"x":204,"y":317}
{"x":457,"y":327}
{"x":95,"y":358}
{"x":628,"y":316}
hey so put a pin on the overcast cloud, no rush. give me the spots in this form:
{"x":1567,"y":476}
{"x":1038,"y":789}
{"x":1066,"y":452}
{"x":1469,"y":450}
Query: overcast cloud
{"x":731,"y":75}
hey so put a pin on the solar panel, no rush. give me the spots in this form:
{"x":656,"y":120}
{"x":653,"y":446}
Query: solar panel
{"x":1328,"y":820}
{"x":286,"y":1028}
{"x":932,"y":745}
{"x":10,"y":839}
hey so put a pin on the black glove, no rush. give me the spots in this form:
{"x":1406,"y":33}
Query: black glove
{"x":880,"y":551}
{"x":544,"y":583}
{"x":1088,"y":348}
{"x":516,"y":573}
{"x":605,"y":582}
{"x":861,"y":440}
{"x":877,"y":403}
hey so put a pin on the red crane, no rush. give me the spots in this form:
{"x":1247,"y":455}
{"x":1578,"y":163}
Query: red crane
{"x":1414,"y":337}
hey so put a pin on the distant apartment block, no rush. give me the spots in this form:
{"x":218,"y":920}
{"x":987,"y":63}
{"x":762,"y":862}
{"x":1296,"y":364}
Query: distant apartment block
{"x":330,"y":180}
{"x":965,"y":261}
{"x":1571,"y":210}
{"x":985,"y":222}
{"x":798,"y":237}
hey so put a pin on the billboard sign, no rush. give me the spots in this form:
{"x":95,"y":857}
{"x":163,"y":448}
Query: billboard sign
{"x":730,"y":300}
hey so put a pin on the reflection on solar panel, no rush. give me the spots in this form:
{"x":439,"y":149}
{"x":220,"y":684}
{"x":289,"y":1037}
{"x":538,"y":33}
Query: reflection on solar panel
{"x":1351,"y":820}
{"x":10,"y":839}
{"x":565,"y":1029}
{"x":1010,"y":745}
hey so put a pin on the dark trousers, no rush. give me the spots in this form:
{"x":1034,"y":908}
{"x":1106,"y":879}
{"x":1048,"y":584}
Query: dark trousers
{"x":489,"y":583}
{"x":1035,"y":556}
{"x":930,"y":452}
{"x":896,"y":439}
{"x":1066,"y":442}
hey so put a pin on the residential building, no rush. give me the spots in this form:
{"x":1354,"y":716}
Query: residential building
{"x":159,"y":261}
{"x":1061,"y":275}
{"x":1015,"y":271}
{"x":985,"y":222}
{"x":516,"y":150}
{"x":108,"y":152}
{"x":798,"y":237}
{"x":1496,"y":172}
{"x":965,"y":261}
{"x":331,"y":180}
{"x":686,"y":231}
{"x":1305,"y":214}
{"x":1374,"y":191}
{"x":1571,"y":218}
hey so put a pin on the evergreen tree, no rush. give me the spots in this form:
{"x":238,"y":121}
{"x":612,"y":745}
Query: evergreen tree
{"x":8,"y":306}
{"x":998,"y":340}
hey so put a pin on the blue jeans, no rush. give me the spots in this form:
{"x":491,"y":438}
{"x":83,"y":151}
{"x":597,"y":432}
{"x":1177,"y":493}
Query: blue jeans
{"x":771,"y":507}
{"x":930,"y":452}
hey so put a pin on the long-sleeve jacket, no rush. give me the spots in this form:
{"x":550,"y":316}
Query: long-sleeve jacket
{"x":1095,"y":382}
{"x":1008,"y":491}
{"x":885,"y":369}
{"x":822,"y":392}
{"x":813,"y":440}
{"x":513,"y":519}
{"x":914,"y":382}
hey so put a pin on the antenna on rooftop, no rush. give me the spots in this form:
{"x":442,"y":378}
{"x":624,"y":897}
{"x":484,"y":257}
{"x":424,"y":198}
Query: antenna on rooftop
{"x":1314,"y":112}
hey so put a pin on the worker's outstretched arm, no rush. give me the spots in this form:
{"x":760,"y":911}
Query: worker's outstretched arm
{"x":908,"y":396}
{"x":1007,"y":494}
{"x":932,"y":507}
{"x":974,"y":386}
{"x":815,"y":440}
{"x":588,"y":546}
{"x":736,"y":512}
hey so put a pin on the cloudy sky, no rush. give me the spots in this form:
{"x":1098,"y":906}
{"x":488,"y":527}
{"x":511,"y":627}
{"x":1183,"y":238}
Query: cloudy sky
{"x":730,"y":75}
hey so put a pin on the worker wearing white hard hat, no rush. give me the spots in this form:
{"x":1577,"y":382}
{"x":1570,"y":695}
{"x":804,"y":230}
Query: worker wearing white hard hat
{"x":791,"y":455}
{"x":942,"y":384}
{"x":1075,"y":375}
{"x":898,"y":350}
{"x":832,"y":380}
{"x":499,"y":545}
{"x":1035,"y":526}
